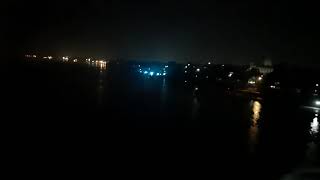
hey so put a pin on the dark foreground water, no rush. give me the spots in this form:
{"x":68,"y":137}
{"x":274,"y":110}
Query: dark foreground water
{"x":264,"y":138}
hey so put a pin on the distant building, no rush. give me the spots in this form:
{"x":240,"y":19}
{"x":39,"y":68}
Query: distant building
{"x":266,"y":68}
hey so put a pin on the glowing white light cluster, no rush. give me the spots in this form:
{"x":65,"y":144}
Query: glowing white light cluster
{"x":317,"y":103}
{"x":275,"y":85}
{"x":198,"y":70}
{"x":314,"y":126}
{"x":30,"y":56}
{"x":65,"y":58}
{"x":102,"y":64}
{"x":230,"y":74}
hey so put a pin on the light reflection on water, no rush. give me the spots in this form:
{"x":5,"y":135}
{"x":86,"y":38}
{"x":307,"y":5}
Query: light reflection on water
{"x":101,"y":83}
{"x":164,"y":91}
{"x":195,"y":107}
{"x":254,"y":128}
{"x":314,"y":125}
{"x":312,"y":152}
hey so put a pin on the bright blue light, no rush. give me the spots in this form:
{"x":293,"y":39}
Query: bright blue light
{"x":158,"y":74}
{"x":164,"y":74}
{"x":146,"y":72}
{"x":151,"y":73}
{"x":140,"y":71}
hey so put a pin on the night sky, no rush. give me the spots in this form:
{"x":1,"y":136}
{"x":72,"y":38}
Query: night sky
{"x":231,"y":32}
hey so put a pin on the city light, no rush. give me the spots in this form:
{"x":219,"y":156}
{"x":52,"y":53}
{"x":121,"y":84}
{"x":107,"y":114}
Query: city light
{"x":185,"y":71}
{"x":158,"y":74}
{"x":66,"y":58}
{"x":230,"y":74}
{"x":34,"y":56}
{"x":209,"y":63}
{"x":50,"y":57}
{"x":101,"y":64}
{"x":145,"y":72}
{"x":188,"y":64}
{"x":75,"y":60}
{"x":251,"y":82}
{"x":317,"y":103}
{"x":272,"y":87}
{"x":198,"y":70}
{"x":164,"y":74}
{"x":166,"y":66}
{"x":317,"y":85}
{"x":259,"y":78}
{"x":151,"y":73}
{"x":185,"y":67}
{"x":196,"y":88}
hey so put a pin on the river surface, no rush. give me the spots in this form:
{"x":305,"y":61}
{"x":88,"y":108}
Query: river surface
{"x":275,"y":131}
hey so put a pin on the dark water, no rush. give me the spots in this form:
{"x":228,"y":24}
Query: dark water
{"x":267,"y":138}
